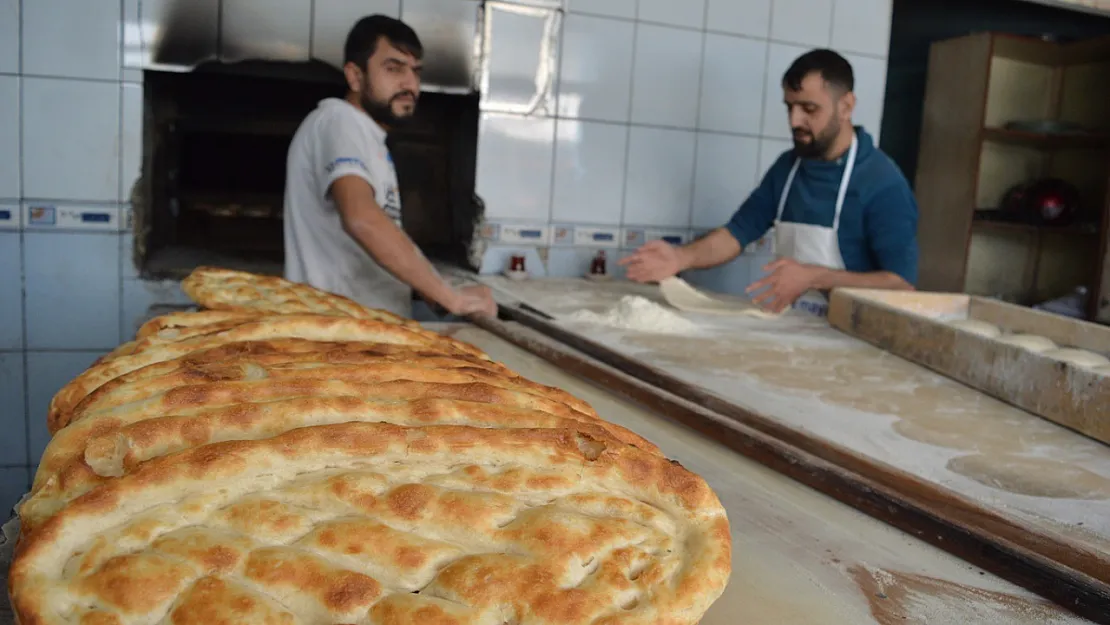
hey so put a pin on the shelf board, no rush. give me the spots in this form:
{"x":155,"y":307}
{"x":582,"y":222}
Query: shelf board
{"x":1047,"y":140}
{"x":1014,"y":226}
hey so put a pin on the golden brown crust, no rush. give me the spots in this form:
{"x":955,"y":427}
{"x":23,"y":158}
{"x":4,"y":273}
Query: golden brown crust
{"x":332,"y":523}
{"x":328,"y":329}
{"x":236,"y":291}
{"x":177,"y":320}
{"x":83,"y":455}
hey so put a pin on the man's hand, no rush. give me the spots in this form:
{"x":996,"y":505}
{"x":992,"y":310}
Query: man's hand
{"x":472,"y":300}
{"x":787,"y":281}
{"x":655,"y":261}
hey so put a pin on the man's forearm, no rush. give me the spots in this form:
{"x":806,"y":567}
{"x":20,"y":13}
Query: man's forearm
{"x":716,"y":248}
{"x":391,"y":248}
{"x":826,"y":279}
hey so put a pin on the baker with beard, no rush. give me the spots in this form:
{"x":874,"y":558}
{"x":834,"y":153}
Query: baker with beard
{"x":342,"y":206}
{"x":843,"y":213}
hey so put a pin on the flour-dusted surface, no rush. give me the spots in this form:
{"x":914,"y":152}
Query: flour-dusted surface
{"x":798,"y":370}
{"x":634,"y":312}
{"x":799,"y":557}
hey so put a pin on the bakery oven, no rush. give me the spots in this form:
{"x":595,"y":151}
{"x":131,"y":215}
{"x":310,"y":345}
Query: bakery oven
{"x":222,"y":99}
{"x":216,"y":140}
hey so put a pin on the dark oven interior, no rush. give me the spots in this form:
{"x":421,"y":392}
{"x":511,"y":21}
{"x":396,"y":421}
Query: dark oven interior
{"x":215,"y":144}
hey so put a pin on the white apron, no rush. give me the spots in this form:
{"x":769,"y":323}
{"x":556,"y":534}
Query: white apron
{"x":810,"y":244}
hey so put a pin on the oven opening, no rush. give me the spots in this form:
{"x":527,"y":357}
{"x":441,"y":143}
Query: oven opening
{"x":214,"y":152}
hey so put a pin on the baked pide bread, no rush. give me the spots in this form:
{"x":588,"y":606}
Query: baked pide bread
{"x":238,"y":291}
{"x":268,"y":465}
{"x":378,"y":523}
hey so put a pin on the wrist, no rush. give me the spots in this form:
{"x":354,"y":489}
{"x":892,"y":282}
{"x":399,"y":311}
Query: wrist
{"x":685,"y":257}
{"x":820,"y":278}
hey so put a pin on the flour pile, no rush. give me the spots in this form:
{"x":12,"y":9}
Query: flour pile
{"x":637,"y":313}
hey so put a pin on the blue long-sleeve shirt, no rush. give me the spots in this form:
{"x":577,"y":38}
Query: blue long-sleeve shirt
{"x":878,"y":224}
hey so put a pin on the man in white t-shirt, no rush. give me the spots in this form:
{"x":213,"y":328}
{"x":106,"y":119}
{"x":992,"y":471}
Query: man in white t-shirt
{"x":342,"y":206}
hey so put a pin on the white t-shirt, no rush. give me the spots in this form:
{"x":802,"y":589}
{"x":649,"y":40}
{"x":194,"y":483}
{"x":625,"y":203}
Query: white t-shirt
{"x":336,"y":140}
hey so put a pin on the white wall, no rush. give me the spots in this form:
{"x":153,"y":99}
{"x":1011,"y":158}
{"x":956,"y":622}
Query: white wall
{"x":666,"y":112}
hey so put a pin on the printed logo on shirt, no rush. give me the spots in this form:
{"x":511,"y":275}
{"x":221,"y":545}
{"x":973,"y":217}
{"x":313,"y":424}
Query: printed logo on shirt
{"x":346,"y":160}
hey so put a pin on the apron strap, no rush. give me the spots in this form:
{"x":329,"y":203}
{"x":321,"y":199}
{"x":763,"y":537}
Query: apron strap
{"x":842,"y":192}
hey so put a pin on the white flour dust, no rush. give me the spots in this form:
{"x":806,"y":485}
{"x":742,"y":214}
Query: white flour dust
{"x":634,"y":312}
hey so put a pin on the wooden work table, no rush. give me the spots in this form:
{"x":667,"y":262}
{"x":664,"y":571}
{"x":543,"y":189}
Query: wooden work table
{"x":1037,"y":494}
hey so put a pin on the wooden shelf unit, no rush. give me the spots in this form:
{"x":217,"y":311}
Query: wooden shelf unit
{"x":968,"y":159}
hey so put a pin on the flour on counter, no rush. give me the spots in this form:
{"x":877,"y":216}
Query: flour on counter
{"x":634,"y":312}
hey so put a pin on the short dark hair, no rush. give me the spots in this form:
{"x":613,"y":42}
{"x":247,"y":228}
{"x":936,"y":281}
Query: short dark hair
{"x":363,"y":39}
{"x":834,"y":69}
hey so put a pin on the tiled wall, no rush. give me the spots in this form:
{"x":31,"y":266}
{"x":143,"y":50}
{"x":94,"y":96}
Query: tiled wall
{"x":663,"y":116}
{"x":666,"y":115}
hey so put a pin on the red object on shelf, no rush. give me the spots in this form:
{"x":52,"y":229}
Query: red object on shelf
{"x":516,"y":263}
{"x":597,"y":265}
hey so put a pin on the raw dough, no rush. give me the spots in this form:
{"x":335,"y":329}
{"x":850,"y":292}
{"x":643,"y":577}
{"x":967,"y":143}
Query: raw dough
{"x":638,"y":313}
{"x":682,"y":296}
{"x":1032,"y":342}
{"x":1078,"y":357}
{"x":974,"y":326}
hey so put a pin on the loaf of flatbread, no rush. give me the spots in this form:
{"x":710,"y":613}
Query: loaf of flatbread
{"x":263,"y":464}
{"x":237,"y":291}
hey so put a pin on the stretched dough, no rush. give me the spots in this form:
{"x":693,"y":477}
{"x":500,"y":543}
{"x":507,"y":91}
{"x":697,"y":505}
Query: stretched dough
{"x":1079,"y":357}
{"x":1032,"y":342}
{"x":682,"y":296}
{"x":982,"y":328}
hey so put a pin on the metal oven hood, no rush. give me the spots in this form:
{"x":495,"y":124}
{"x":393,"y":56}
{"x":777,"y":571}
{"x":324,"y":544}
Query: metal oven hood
{"x":179,"y":35}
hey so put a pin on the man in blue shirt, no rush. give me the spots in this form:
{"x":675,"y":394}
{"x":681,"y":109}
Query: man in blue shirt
{"x":843,"y":213}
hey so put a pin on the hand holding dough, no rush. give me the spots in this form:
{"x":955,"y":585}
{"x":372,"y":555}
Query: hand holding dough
{"x":682,"y":296}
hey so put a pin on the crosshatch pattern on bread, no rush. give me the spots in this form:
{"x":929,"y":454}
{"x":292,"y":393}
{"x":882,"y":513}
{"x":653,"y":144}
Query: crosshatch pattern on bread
{"x":270,"y":465}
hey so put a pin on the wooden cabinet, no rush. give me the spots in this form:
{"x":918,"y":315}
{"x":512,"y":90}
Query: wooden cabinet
{"x":984,"y":92}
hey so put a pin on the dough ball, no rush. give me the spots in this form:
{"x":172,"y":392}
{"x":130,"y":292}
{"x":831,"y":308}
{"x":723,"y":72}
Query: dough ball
{"x":1031,"y":342}
{"x":982,"y":328}
{"x":1078,"y":357}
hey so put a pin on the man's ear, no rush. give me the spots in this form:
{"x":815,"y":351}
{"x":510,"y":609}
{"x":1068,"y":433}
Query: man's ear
{"x":847,"y":105}
{"x":354,"y":77}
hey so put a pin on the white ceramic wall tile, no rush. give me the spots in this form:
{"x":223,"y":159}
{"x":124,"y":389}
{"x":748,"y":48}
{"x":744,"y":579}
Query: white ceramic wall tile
{"x":333,"y":19}
{"x":127,"y":269}
{"x":870,"y":74}
{"x":740,"y":17}
{"x":515,"y":159}
{"x":660,"y":179}
{"x":73,"y":290}
{"x":595,"y":81}
{"x":14,"y":483}
{"x":47,"y":373}
{"x":665,"y":77}
{"x":806,"y":22}
{"x":131,"y":139}
{"x":779,"y":58}
{"x":589,"y":172}
{"x":574,"y":262}
{"x":687,"y":13}
{"x":268,"y":29}
{"x":769,"y":151}
{"x":91,"y":27}
{"x":71,"y":152}
{"x":522,"y":43}
{"x":132,"y":40}
{"x":10,"y":161}
{"x":11,"y":291}
{"x":496,"y":258}
{"x":732,"y":84}
{"x":862,"y":26}
{"x":610,"y":8}
{"x":9,"y":36}
{"x":726,"y":173}
{"x":13,"y":413}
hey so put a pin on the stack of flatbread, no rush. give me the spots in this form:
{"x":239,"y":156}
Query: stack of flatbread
{"x":288,"y":456}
